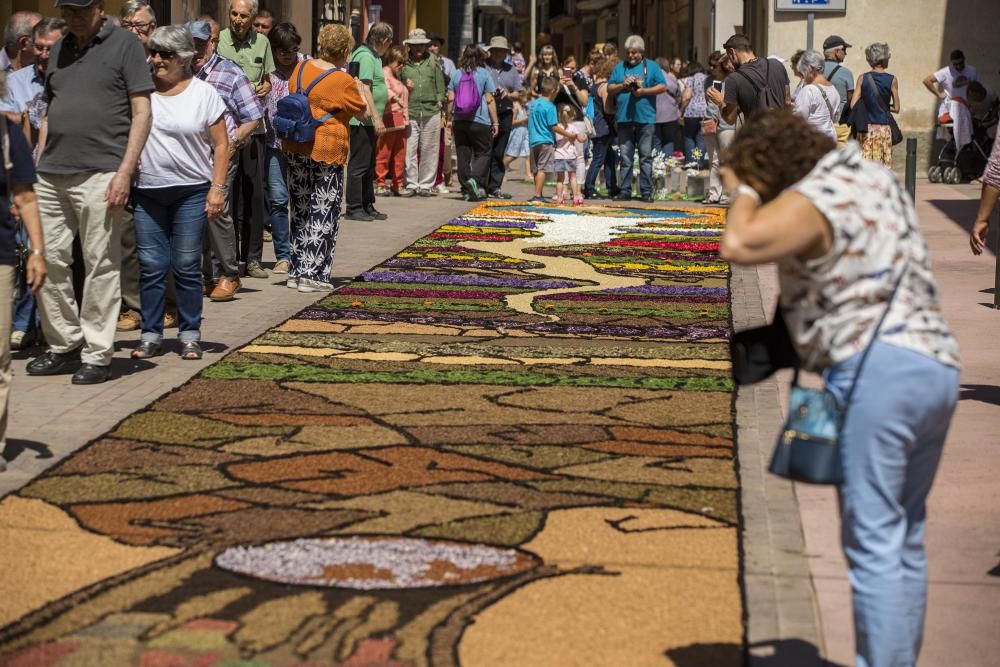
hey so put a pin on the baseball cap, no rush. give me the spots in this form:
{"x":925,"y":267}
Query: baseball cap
{"x":434,"y":37}
{"x":74,"y":3}
{"x":417,"y":36}
{"x":833,"y":41}
{"x":199,"y":30}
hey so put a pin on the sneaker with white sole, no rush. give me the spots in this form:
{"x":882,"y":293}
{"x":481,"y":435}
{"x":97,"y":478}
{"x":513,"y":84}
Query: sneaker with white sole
{"x":292,"y":283}
{"x":441,"y":189}
{"x":306,"y":285}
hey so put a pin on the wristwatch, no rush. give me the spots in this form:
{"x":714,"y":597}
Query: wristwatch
{"x":38,"y":252}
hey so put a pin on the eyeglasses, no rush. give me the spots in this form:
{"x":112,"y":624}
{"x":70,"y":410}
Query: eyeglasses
{"x":164,"y":55}
{"x":287,"y":52}
{"x":137,"y":26}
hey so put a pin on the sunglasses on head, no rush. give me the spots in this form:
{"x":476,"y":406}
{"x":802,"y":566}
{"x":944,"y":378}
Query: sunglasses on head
{"x":164,"y":55}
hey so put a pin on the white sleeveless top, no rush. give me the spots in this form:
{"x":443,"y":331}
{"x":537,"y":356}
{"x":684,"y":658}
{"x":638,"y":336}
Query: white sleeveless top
{"x":832,"y":304}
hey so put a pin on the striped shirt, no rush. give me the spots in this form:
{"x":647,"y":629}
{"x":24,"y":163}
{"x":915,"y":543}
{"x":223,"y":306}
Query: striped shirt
{"x":233,"y":86}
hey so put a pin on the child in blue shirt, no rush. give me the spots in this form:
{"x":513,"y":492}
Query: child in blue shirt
{"x":543,"y":125}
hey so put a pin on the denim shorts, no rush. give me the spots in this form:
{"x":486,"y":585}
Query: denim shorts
{"x":564,"y":166}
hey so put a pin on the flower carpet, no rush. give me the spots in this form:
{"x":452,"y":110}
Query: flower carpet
{"x":510,"y":444}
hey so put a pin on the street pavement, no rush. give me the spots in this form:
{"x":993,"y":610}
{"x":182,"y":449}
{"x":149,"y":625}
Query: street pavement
{"x":798,"y":598}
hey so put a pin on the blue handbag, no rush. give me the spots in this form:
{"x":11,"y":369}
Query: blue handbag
{"x":808,"y":448}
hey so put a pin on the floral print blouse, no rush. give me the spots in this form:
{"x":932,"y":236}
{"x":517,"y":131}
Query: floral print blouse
{"x":833,"y":303}
{"x":279,"y":89}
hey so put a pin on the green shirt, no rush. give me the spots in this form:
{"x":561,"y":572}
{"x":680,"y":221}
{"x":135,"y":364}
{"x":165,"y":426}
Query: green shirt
{"x":252,"y":55}
{"x":428,"y":86}
{"x":370,"y":71}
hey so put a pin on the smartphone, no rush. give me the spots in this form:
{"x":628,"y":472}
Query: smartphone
{"x":354,"y":69}
{"x":717,"y":85}
{"x":567,"y":72}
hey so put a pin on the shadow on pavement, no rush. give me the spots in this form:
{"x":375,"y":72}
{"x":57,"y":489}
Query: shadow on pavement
{"x":983,"y":393}
{"x":779,"y":653}
{"x":960,"y":211}
{"x":15,"y":448}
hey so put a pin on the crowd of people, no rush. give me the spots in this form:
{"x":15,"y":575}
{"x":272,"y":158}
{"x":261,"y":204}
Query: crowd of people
{"x":147,"y":175}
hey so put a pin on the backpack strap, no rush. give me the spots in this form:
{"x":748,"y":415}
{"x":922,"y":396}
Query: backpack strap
{"x":833,"y":73}
{"x":315,"y":81}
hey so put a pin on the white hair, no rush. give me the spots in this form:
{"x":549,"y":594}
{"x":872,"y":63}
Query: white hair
{"x":811,"y":60}
{"x":175,"y":38}
{"x":253,"y":5}
{"x":635,"y":43}
{"x":877,"y":54}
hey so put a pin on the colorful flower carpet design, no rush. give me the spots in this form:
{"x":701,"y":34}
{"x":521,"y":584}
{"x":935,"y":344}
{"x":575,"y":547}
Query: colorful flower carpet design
{"x":510,"y":444}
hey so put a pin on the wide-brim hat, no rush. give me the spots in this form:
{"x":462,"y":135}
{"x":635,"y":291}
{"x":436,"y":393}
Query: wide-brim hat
{"x":498,"y":42}
{"x":417,"y":36}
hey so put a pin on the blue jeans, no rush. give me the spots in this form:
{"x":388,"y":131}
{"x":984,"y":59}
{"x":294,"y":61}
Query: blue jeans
{"x":631,"y":135}
{"x":693,"y":138}
{"x":664,"y":137}
{"x":891,"y":445}
{"x":169,"y":225}
{"x":26,"y":316}
{"x":277,"y":192}
{"x":604,"y":156}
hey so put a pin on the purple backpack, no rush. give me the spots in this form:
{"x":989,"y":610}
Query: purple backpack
{"x":467,"y":97}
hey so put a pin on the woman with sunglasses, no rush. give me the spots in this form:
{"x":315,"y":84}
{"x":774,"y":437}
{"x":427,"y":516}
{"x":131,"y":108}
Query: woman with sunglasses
{"x":181,"y":183}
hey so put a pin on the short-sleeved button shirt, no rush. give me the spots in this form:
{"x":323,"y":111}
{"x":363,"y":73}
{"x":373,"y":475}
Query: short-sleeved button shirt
{"x":21,"y":173}
{"x":843,"y":81}
{"x":633,"y":108}
{"x":89,"y":90}
{"x":505,"y":77}
{"x":833,"y":303}
{"x":253,"y":55}
{"x":22,"y":87}
{"x":485,"y":85}
{"x":370,"y":72}
{"x":541,"y":117}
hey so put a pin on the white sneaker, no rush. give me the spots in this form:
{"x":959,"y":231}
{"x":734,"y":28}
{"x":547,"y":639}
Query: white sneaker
{"x":292,"y":283}
{"x":441,"y":189}
{"x":16,"y":340}
{"x":306,"y":286}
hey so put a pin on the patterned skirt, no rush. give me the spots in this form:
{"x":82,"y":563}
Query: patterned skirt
{"x":877,"y":144}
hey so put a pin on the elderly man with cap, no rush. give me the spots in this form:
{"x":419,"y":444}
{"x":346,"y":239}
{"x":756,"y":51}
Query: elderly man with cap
{"x":425,"y":80}
{"x":252,"y":52}
{"x":97,"y":123}
{"x":243,"y":113}
{"x":508,"y":82}
{"x":835,"y":51}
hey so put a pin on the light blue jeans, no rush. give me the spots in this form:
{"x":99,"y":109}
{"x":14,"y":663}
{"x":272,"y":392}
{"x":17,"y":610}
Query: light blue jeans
{"x":277,"y":193}
{"x":891,"y":445}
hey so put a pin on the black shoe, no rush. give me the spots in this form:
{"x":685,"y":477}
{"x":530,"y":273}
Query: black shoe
{"x":54,"y":363}
{"x":91,"y":374}
{"x":360,"y":216}
{"x":622,"y":196}
{"x":377,"y":215}
{"x":647,"y":198}
{"x":499,"y":194}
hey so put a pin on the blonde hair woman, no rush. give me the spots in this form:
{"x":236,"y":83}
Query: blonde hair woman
{"x":316,"y":168}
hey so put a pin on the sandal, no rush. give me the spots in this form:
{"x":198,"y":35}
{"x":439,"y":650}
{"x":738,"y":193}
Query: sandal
{"x":146,"y":349}
{"x":190,"y":350}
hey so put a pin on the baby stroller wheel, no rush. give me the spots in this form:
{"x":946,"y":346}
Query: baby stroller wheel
{"x":953,"y":176}
{"x":934,"y":174}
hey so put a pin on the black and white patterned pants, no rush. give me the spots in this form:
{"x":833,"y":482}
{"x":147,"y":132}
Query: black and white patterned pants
{"x":314,"y":193}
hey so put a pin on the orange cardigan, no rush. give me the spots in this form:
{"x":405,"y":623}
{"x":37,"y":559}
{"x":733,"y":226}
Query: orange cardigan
{"x":337,"y":93}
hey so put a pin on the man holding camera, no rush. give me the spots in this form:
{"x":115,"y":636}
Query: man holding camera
{"x":508,"y":82}
{"x":635,"y":83}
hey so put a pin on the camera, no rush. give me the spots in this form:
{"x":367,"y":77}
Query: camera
{"x":632,"y":85}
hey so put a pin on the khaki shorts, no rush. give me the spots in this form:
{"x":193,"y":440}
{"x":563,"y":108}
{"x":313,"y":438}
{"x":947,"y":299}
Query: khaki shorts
{"x":542,"y":158}
{"x":843,"y":133}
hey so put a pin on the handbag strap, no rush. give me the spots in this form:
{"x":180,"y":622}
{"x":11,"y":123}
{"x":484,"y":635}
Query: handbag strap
{"x":878,"y":93}
{"x":878,"y":328}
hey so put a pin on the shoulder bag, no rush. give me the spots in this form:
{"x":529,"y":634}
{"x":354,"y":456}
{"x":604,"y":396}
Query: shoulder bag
{"x":808,"y":449}
{"x":897,"y":134}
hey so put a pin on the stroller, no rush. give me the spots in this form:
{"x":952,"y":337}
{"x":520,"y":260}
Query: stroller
{"x":954,"y":165}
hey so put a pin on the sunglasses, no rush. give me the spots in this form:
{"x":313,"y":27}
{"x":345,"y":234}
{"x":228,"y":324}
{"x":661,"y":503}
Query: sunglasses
{"x":164,"y":55}
{"x":287,"y":52}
